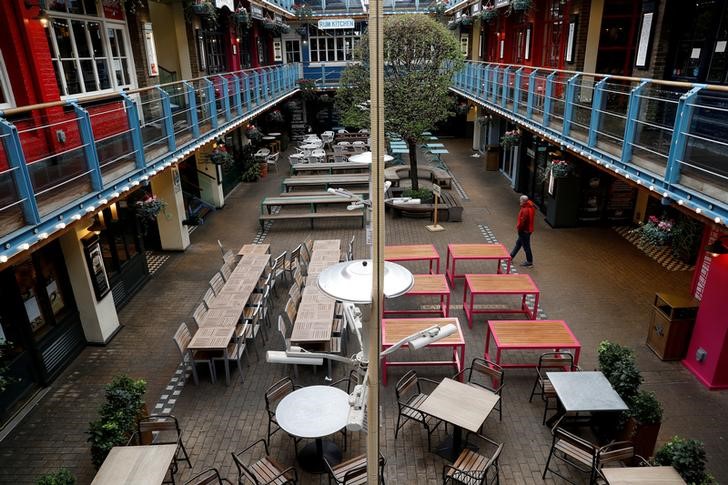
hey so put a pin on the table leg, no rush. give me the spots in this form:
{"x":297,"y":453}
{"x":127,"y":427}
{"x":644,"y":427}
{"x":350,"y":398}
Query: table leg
{"x":447,"y":265}
{"x":577,"y":351}
{"x":438,"y":264}
{"x":451,"y":446}
{"x":465,"y":307}
{"x":508,"y":266}
{"x":535,"y":306}
{"x":487,"y":342}
{"x":384,"y":368}
{"x":311,"y":457}
{"x":227,"y":369}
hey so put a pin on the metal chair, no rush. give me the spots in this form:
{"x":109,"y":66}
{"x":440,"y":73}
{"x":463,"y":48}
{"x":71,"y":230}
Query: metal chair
{"x":409,"y":397}
{"x":199,"y":313}
{"x":217,"y":283}
{"x":225,"y":271}
{"x":550,"y":362}
{"x":277,"y":269}
{"x":272,"y":161}
{"x":264,"y":470}
{"x":619,"y":452}
{"x":235,"y":350}
{"x":273,"y":395}
{"x":572,"y":450}
{"x":488,"y":375}
{"x":353,"y":471}
{"x":163,"y":429}
{"x":182,"y":338}
{"x":208,"y":297}
{"x":228,"y":257}
{"x":473,"y":468}
{"x":294,"y":261}
{"x":251,"y":319}
{"x":208,"y":477}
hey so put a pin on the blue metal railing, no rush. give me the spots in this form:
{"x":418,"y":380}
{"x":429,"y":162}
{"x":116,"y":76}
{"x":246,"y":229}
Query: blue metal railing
{"x":60,"y":161}
{"x":668,"y":136}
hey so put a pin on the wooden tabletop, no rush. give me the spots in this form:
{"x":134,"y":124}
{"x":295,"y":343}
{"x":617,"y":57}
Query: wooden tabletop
{"x":500,"y":283}
{"x":326,"y":255}
{"x":395,"y":329}
{"x":478,"y":251}
{"x":543,"y":333}
{"x":254,"y":249}
{"x":212,"y":338}
{"x":227,"y":316}
{"x":434,"y":284}
{"x":135,"y":465}
{"x":410,"y":252}
{"x":643,"y":475}
{"x":331,"y":166}
{"x":351,"y":178}
{"x":308,"y":199}
{"x":321,"y":244}
{"x":460,"y":404}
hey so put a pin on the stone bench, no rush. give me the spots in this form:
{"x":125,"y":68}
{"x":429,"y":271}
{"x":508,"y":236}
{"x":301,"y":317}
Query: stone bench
{"x":437,"y":175}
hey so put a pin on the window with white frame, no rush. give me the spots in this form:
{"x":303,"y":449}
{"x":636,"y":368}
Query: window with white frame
{"x":90,"y":54}
{"x":293,"y":51}
{"x":6,"y":94}
{"x":333,"y":45}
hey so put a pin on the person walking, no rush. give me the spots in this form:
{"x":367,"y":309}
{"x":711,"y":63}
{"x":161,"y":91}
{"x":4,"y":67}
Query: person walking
{"x":524,"y":226}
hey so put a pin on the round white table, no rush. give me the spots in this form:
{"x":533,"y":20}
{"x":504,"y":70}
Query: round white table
{"x":274,"y":134}
{"x":315,"y":412}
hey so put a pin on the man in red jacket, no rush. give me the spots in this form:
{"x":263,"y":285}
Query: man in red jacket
{"x":525,"y":228}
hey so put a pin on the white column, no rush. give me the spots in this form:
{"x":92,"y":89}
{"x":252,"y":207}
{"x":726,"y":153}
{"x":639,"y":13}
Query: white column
{"x":98,"y":317}
{"x":209,"y":177}
{"x":477,"y":128}
{"x":173,"y":234}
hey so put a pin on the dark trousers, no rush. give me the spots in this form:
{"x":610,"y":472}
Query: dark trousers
{"x":524,"y":240}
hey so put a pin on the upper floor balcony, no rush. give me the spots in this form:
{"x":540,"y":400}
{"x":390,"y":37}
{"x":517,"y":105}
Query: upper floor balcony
{"x":325,"y":8}
{"x":60,"y":161}
{"x":671,"y":137}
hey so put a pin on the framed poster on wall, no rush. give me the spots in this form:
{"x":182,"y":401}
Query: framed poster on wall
{"x":95,"y":263}
{"x":571,"y":41}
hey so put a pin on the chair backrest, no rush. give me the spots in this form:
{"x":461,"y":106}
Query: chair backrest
{"x":283,"y":329}
{"x":492,"y":374}
{"x":208,"y":297}
{"x":206,"y":477}
{"x":308,"y":246}
{"x":577,"y":446}
{"x":159,"y":423}
{"x":182,"y":338}
{"x":296,"y":255}
{"x":199,"y":313}
{"x":228,"y":257}
{"x":273,"y":158}
{"x":295,"y":293}
{"x":554,"y":361}
{"x":225,"y":271}
{"x":493,"y":463}
{"x":277,"y":263}
{"x":291,"y":310}
{"x":278,"y":391}
{"x":222,"y":249}
{"x":298,"y":278}
{"x":407,"y":384}
{"x":244,"y":471}
{"x":619,"y":451}
{"x":216,"y":283}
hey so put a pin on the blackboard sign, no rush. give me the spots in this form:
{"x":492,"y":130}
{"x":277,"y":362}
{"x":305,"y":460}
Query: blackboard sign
{"x":95,"y":263}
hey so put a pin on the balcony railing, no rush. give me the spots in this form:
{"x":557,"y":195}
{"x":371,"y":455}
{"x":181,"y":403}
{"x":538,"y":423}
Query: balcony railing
{"x":670,"y":137}
{"x":324,"y":8}
{"x":62,"y":160}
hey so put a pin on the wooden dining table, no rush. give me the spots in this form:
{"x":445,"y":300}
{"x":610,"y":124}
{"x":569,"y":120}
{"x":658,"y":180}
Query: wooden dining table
{"x":135,"y":465}
{"x":483,"y":252}
{"x":413,"y":252}
{"x":427,"y":285}
{"x":642,"y":475}
{"x":552,"y":335}
{"x":254,"y":249}
{"x":500,"y":284}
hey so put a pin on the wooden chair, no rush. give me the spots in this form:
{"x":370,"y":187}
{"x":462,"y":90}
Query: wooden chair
{"x":409,"y":397}
{"x":572,"y":450}
{"x":208,"y":297}
{"x":618,"y":452}
{"x":550,"y":362}
{"x":277,"y":270}
{"x":199,"y":313}
{"x":225,"y":271}
{"x":182,"y":338}
{"x":486,"y":374}
{"x":273,"y":395}
{"x":209,"y":477}
{"x":353,"y":471}
{"x":308,"y":247}
{"x":294,"y":293}
{"x":163,"y":429}
{"x":299,"y":278}
{"x":217,"y":283}
{"x":235,"y":350}
{"x":472,"y":467}
{"x":290,"y":312}
{"x":294,"y":261}
{"x":264,"y":470}
{"x":228,"y":257}
{"x":251,"y":318}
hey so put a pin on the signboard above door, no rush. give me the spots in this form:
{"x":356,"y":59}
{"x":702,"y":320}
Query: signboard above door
{"x":225,"y":3}
{"x":501,"y":3}
{"x":329,"y":24}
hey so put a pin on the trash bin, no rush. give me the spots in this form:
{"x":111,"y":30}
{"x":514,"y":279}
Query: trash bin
{"x":671,"y":324}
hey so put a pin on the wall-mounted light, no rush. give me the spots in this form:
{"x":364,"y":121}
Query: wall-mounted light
{"x":42,"y":14}
{"x":717,"y":248}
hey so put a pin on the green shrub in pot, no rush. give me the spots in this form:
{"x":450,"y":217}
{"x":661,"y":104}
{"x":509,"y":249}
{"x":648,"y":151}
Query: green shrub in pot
{"x":687,"y":456}
{"x":609,"y":354}
{"x":645,"y":408}
{"x":61,"y":477}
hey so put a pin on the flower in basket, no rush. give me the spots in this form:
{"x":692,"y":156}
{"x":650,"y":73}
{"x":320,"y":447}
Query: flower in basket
{"x":253,"y":134}
{"x":510,"y":138}
{"x":302,"y":11}
{"x":276,"y":116}
{"x":560,"y":168}
{"x":656,"y":231}
{"x":466,"y":20}
{"x":220,"y":156}
{"x":521,"y":5}
{"x":148,"y":208}
{"x":241,"y":16}
{"x":488,"y":14}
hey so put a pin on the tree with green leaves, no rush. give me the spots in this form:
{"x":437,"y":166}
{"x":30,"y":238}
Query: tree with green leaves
{"x":420,"y":58}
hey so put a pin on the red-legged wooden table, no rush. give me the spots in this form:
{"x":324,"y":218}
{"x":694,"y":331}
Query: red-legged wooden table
{"x":455,"y":252}
{"x":395,"y":329}
{"x":499,"y":284}
{"x":414,"y":252}
{"x":552,"y":335}
{"x":428,"y":285}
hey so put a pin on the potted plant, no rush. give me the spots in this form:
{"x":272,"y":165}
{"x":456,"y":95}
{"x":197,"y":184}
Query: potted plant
{"x":466,"y":20}
{"x":61,"y":477}
{"x":425,"y":195}
{"x":521,"y":5}
{"x":220,"y":156}
{"x":204,"y":8}
{"x":687,"y":457}
{"x":488,"y":14}
{"x":619,"y":366}
{"x":253,"y":134}
{"x":657,"y":231}
{"x":643,"y":424}
{"x":453,"y":24}
{"x":148,"y":208}
{"x":560,"y":168}
{"x":438,"y":9}
{"x":276,"y":116}
{"x":118,"y":416}
{"x":510,"y":139}
{"x":252,"y":173}
{"x":302,"y":11}
{"x":241,"y":16}
{"x":686,"y":236}
{"x":308,"y":88}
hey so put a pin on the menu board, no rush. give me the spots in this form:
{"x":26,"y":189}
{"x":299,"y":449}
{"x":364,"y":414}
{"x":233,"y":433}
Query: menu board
{"x":96,"y":268}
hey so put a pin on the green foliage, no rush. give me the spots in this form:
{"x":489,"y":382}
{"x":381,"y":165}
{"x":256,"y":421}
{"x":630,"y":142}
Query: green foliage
{"x":687,"y":457}
{"x":609,"y":353}
{"x":61,"y":477}
{"x":618,"y":365}
{"x":425,"y":195}
{"x":420,"y":58}
{"x":203,"y":8}
{"x":117,"y":416}
{"x":5,"y":381}
{"x":645,"y":408}
{"x":521,"y":5}
{"x":686,"y":236}
{"x":252,"y":173}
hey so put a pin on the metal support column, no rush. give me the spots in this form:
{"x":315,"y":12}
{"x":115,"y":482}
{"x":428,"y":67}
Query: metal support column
{"x":569,"y":104}
{"x":20,"y":174}
{"x":168,"y":123}
{"x":633,"y":111}
{"x":192,"y":110}
{"x":678,"y":143}
{"x":596,"y":112}
{"x":547,"y":100}
{"x":89,"y":145}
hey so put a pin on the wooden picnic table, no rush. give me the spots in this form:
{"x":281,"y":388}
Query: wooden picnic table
{"x":500,"y":284}
{"x":214,"y":339}
{"x":224,"y":316}
{"x":428,"y":285}
{"x":413,"y":252}
{"x":457,"y":252}
{"x":552,"y":335}
{"x":254,"y":249}
{"x":642,"y":475}
{"x":333,"y":180}
{"x":135,"y":465}
{"x":330,"y":167}
{"x":312,"y":202}
{"x":320,"y":244}
{"x":395,"y":329}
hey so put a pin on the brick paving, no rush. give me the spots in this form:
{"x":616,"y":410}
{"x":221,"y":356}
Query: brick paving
{"x":590,"y":277}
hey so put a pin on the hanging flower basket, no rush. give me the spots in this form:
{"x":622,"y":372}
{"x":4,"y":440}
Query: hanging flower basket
{"x":453,"y":24}
{"x":302,"y":30}
{"x":510,"y":138}
{"x":560,"y":168}
{"x":466,"y":21}
{"x":204,"y":8}
{"x":438,"y":9}
{"x":655,"y":232}
{"x":220,"y":156}
{"x":302,"y":11}
{"x":521,"y":5}
{"x":149,"y":208}
{"x":241,"y":17}
{"x":488,"y":14}
{"x":253,"y":134}
{"x":276,"y":116}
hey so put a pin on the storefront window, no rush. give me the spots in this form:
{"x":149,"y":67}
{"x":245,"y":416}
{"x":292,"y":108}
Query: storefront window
{"x":119,"y":239}
{"x":214,"y":51}
{"x":693,"y":46}
{"x":553,"y":47}
{"x":89,"y":54}
{"x":333,"y":45}
{"x":293,"y":51}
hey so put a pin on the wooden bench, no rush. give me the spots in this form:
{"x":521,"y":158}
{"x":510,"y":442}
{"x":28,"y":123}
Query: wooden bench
{"x":437,"y":175}
{"x":449,"y":209}
{"x":312,"y":215}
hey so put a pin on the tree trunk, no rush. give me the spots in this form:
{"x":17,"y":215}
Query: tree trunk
{"x":412,"y":146}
